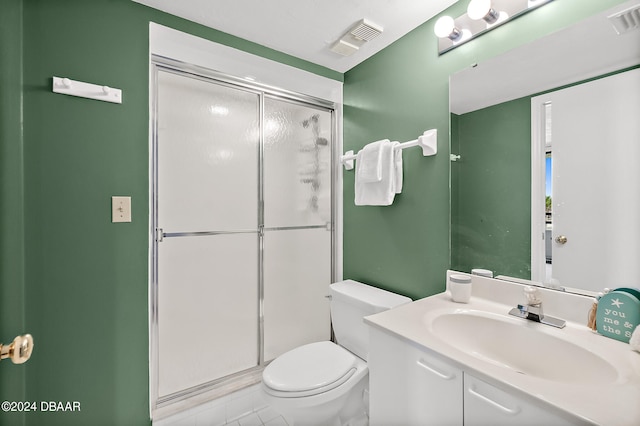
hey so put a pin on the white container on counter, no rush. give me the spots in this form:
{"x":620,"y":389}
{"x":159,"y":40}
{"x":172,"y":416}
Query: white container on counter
{"x":460,"y":288}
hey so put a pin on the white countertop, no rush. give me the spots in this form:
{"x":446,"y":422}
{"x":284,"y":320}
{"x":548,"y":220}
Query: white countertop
{"x":616,"y":403}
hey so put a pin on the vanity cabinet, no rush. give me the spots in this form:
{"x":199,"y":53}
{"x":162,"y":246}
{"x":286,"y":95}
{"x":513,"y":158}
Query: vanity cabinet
{"x":409,"y":385}
{"x":485,"y":404}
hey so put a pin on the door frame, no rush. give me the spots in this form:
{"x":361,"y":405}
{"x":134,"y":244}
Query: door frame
{"x":538,"y":155}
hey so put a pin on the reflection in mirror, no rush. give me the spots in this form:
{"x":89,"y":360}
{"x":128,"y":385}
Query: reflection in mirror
{"x":591,"y":228}
{"x":491,"y":184}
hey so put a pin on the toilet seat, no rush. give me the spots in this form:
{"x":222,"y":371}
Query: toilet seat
{"x":309,"y":370}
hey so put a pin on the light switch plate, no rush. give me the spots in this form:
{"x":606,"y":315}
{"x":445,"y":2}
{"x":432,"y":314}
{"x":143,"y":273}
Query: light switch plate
{"x":120,"y":209}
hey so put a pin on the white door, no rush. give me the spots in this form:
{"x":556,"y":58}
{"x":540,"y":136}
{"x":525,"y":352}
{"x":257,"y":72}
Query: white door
{"x":595,"y":135}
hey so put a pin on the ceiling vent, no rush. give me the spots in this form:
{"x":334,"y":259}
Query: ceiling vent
{"x":366,"y":30}
{"x":353,"y":39}
{"x":627,"y":20}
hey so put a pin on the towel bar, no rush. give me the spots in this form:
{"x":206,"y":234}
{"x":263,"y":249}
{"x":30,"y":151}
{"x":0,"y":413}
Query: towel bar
{"x":428,"y":141}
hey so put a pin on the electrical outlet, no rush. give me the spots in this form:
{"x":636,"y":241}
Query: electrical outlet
{"x":120,"y":209}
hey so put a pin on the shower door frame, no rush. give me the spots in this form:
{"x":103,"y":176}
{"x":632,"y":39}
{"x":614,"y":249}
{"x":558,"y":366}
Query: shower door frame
{"x":219,"y":387}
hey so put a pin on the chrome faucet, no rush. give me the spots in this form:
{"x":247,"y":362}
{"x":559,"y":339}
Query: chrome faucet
{"x":532,"y":310}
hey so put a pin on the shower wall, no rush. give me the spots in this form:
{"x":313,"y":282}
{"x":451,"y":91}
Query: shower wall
{"x":244,"y":240}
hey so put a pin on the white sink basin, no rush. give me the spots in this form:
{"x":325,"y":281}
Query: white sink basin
{"x":521,"y":346}
{"x":591,"y":377}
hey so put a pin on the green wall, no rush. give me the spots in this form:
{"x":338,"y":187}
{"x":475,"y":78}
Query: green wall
{"x":74,"y":280}
{"x":397,"y":94}
{"x":491,"y":197}
{"x":78,"y":283}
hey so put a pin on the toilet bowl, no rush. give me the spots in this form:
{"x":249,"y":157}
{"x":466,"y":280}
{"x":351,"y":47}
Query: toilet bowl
{"x":326,"y":383}
{"x":317,"y":384}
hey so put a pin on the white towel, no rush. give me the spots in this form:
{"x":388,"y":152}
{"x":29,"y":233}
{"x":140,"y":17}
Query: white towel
{"x":397,"y":166}
{"x":380,"y":193}
{"x":370,"y":162}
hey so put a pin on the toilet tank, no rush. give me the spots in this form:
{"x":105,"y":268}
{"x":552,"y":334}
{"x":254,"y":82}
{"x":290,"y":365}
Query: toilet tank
{"x":351,"y":301}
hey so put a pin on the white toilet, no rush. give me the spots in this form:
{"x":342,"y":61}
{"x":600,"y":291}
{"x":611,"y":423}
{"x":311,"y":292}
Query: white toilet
{"x":325,"y":383}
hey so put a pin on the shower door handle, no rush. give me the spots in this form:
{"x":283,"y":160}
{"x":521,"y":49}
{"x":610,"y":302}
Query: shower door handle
{"x":19,"y":351}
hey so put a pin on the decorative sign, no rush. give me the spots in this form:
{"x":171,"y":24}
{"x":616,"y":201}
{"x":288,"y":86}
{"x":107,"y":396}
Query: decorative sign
{"x":619,"y":313}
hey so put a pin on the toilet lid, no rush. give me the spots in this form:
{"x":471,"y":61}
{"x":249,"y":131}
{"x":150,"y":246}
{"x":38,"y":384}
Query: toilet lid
{"x":316,"y":366}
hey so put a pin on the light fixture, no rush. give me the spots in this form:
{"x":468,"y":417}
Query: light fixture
{"x":481,"y":16}
{"x":482,"y":9}
{"x":446,"y":27}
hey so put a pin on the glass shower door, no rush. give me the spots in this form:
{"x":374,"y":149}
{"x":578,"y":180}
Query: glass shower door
{"x":243,"y":211}
{"x":207,"y":207}
{"x":297,"y":173}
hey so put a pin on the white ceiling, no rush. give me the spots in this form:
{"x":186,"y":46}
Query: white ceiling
{"x":306,"y":29}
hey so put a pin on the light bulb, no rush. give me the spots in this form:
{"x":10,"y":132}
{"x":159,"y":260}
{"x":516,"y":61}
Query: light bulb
{"x":482,"y":9}
{"x":446,"y":27}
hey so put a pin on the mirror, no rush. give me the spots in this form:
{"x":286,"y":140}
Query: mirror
{"x":490,"y":105}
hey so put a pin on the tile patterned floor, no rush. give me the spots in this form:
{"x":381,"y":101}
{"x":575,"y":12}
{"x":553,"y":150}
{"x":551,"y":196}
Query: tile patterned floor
{"x":264,"y":417}
{"x":243,"y":408}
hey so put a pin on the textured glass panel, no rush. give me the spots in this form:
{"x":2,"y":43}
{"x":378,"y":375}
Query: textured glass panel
{"x":207,"y":155}
{"x":297,"y":164}
{"x":297,"y":274}
{"x":208,"y":309}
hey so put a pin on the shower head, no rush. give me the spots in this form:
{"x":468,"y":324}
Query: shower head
{"x":313,"y":119}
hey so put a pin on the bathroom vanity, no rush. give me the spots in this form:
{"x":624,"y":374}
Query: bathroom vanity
{"x":437,"y":362}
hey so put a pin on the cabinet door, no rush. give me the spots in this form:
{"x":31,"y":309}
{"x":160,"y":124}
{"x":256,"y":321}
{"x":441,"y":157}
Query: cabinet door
{"x":487,"y":405}
{"x":408,"y":386}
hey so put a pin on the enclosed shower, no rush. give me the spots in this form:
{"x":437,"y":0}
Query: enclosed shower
{"x":243,"y":228}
